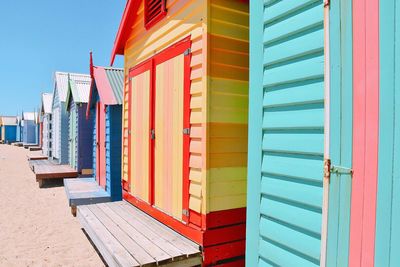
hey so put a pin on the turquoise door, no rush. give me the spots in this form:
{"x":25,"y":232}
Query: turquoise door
{"x":341,"y":124}
{"x":72,"y":138}
{"x":286,"y":136}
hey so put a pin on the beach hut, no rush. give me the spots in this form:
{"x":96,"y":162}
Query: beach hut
{"x":185,"y":118}
{"x":80,"y":130}
{"x":46,"y":124}
{"x":60,"y":118}
{"x":29,"y":128}
{"x":8,"y":129}
{"x":19,"y":129}
{"x":105,"y":110}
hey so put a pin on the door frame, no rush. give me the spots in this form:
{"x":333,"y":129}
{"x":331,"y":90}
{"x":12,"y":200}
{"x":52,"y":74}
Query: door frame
{"x":150,"y":65}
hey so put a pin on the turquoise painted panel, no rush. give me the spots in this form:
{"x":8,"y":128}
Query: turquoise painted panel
{"x":387,"y":244}
{"x":286,"y":133}
{"x":340,"y":132}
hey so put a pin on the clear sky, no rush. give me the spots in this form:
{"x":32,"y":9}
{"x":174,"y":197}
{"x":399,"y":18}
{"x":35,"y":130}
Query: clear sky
{"x":40,"y":37}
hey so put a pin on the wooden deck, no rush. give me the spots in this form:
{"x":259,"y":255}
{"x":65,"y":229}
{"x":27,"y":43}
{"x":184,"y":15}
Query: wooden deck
{"x":17,"y":144}
{"x":125,"y":236}
{"x":46,"y":169}
{"x":35,"y":148}
{"x":27,"y":146}
{"x":36,"y":157}
{"x":84,"y":191}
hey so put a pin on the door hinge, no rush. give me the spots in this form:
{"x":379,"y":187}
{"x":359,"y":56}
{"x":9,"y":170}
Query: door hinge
{"x":129,"y":132}
{"x":185,"y":212}
{"x":327,"y":3}
{"x":152,"y":134}
{"x":186,"y":131}
{"x":187,"y":52}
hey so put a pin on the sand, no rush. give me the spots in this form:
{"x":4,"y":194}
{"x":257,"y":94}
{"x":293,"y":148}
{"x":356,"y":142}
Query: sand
{"x":36,"y":225}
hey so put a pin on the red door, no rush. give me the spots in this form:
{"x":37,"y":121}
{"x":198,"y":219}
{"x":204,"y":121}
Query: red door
{"x":100,"y":145}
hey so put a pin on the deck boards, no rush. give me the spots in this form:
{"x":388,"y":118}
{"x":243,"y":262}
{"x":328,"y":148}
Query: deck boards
{"x":83,"y":191}
{"x":45,"y":169}
{"x":36,"y":157}
{"x":35,"y":148}
{"x":125,"y":236}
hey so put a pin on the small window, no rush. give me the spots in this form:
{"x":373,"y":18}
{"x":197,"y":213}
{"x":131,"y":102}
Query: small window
{"x":154,"y":11}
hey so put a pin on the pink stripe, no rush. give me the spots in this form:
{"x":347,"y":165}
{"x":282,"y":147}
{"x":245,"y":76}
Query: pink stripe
{"x":365,"y":132}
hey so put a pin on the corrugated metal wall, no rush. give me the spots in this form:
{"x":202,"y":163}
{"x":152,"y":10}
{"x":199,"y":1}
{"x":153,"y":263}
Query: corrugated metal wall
{"x":227,"y":104}
{"x":387,"y":245}
{"x":287,"y":126}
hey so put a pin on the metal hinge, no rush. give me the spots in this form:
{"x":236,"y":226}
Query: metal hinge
{"x":185,"y":212}
{"x":186,"y":131}
{"x":327,"y":169}
{"x":341,"y":170}
{"x":327,"y":3}
{"x":187,"y":52}
{"x":152,"y":134}
{"x":129,"y":132}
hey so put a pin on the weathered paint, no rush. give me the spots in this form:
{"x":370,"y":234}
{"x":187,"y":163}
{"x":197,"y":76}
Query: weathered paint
{"x":341,"y":121}
{"x":387,"y":244}
{"x":286,"y":136}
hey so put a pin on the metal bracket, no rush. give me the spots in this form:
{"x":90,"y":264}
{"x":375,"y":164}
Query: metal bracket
{"x":327,"y":3}
{"x":129,"y":132}
{"x":327,"y":169}
{"x":186,"y":131}
{"x":185,"y":212}
{"x":187,"y":52}
{"x":341,"y":170}
{"x":152,"y":134}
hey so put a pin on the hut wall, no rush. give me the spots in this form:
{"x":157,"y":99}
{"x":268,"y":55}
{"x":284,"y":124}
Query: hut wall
{"x":29,"y":132}
{"x":227,"y":104}
{"x":46,"y":146}
{"x":286,"y":133}
{"x":113,"y":151}
{"x":73,"y":130}
{"x":9,"y":133}
{"x":387,"y":243}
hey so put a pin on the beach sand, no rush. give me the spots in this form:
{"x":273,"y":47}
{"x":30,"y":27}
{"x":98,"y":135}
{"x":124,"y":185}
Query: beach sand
{"x":36,"y":225}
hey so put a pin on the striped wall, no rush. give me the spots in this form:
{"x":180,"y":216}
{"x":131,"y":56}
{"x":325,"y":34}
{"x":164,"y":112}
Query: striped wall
{"x":227,"y":104}
{"x":184,"y":18}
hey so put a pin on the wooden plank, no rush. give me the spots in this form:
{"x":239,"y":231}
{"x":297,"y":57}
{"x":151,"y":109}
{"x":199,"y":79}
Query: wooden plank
{"x":145,"y":229}
{"x":134,"y":249}
{"x":104,"y":240}
{"x":180,"y":242}
{"x":36,"y":157}
{"x":35,"y":148}
{"x":150,"y":247}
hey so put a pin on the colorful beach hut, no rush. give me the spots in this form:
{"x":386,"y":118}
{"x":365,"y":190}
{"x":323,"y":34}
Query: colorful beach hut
{"x":323,"y":145}
{"x":105,"y":109}
{"x":29,"y":128}
{"x":46,"y":124}
{"x":80,"y":138}
{"x":185,"y":119}
{"x":8,"y":128}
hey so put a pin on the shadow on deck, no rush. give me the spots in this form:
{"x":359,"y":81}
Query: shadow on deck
{"x":46,"y":169}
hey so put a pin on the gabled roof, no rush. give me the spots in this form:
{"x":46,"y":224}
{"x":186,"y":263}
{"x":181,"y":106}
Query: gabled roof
{"x":78,"y":89}
{"x":29,"y":116}
{"x":61,"y":82}
{"x":8,"y":120}
{"x":109,"y":83}
{"x":47,"y":99}
{"x":128,"y":18}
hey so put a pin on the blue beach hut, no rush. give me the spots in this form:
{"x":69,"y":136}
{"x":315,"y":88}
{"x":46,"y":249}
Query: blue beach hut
{"x":8,"y":128}
{"x":29,"y":128}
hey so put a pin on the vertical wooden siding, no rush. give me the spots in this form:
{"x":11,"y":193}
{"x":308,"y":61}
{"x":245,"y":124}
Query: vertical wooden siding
{"x":285,"y":213}
{"x":365,"y":132}
{"x":169,"y":142}
{"x":184,"y":18}
{"x":84,"y":143}
{"x":387,"y":243}
{"x":341,"y":121}
{"x":72,"y":136}
{"x":228,"y":104}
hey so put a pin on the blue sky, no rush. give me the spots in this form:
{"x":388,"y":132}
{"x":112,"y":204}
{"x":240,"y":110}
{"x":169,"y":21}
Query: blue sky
{"x":40,"y":37}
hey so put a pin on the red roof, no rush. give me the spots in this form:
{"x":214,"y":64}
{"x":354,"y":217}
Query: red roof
{"x":128,"y":18}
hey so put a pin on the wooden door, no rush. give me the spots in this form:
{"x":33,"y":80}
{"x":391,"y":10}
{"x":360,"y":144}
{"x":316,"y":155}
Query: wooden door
{"x":100,"y":145}
{"x":72,"y":138}
{"x":56,"y":133}
{"x":140,"y":129}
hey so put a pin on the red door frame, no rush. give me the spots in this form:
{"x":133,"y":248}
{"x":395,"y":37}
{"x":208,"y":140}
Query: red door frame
{"x":176,"y":49}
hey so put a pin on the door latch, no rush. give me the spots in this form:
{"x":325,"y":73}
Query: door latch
{"x":152,"y":134}
{"x":185,"y":212}
{"x":186,"y":131}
